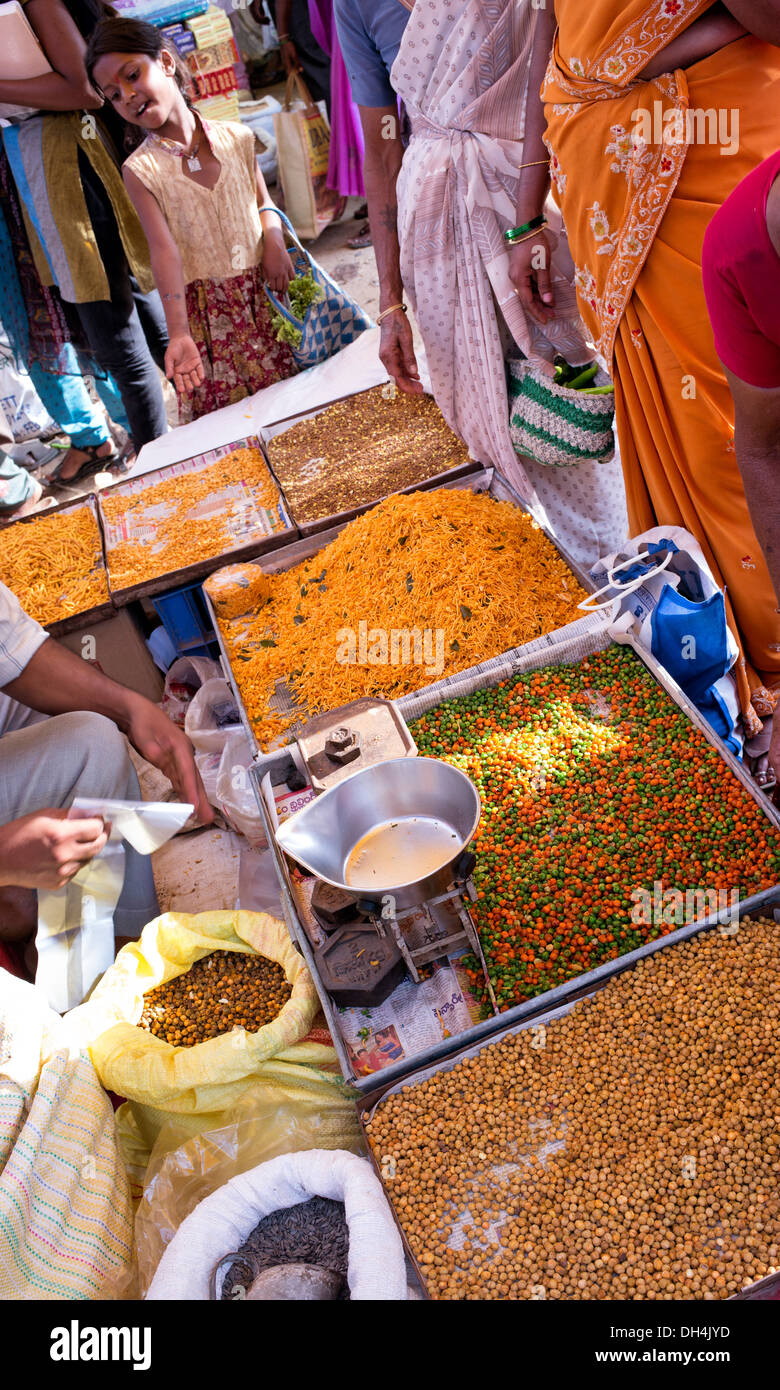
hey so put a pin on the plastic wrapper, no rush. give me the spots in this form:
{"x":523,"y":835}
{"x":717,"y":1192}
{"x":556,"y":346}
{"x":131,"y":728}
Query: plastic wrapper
{"x":75,"y":936}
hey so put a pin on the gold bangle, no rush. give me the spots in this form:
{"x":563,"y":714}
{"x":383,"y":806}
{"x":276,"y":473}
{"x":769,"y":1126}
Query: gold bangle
{"x":391,"y":310}
{"x":532,"y":163}
{"x":528,"y":237}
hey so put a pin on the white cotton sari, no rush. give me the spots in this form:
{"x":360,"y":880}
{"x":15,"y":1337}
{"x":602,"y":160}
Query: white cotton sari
{"x":462,"y":73}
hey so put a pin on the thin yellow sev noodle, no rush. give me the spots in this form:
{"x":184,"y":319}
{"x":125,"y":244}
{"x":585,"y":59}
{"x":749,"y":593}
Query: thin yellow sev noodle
{"x":54,"y":564}
{"x":459,"y":563}
{"x":186,"y":539}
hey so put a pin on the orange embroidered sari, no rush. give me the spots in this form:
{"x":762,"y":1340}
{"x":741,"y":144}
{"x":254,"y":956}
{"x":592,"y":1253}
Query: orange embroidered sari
{"x":639,"y":169}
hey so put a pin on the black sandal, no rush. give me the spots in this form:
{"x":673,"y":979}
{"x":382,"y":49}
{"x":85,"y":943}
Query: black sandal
{"x":95,"y":463}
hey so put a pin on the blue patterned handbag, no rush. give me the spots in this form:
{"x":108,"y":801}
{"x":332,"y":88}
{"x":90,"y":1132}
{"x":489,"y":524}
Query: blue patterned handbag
{"x":333,"y":322}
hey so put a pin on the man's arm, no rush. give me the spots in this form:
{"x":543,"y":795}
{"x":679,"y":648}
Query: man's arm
{"x":56,"y":681}
{"x":384,"y":153}
{"x":757,"y":416}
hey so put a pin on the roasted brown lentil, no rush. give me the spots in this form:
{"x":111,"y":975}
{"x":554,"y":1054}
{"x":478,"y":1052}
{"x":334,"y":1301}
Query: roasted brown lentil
{"x":629,"y":1150}
{"x":222,"y":991}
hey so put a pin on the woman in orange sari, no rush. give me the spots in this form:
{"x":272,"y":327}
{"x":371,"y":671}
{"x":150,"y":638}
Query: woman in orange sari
{"x":654,"y":111}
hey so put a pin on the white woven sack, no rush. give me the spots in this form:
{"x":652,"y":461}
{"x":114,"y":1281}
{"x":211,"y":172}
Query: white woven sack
{"x":222,"y":1222}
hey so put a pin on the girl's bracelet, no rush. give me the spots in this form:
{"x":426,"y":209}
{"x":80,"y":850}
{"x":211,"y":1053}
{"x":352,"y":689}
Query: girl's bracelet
{"x":515,"y":234}
{"x":532,"y":163}
{"x":393,"y":307}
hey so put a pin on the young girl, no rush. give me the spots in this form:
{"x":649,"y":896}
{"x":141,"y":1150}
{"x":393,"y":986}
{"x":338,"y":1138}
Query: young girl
{"x":198,"y":190}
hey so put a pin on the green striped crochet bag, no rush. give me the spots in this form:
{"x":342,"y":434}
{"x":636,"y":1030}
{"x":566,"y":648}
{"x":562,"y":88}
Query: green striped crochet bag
{"x":555,"y":425}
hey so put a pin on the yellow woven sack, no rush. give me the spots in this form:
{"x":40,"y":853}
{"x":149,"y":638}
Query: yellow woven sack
{"x":162,"y":1081}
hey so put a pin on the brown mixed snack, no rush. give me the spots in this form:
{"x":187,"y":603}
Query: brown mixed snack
{"x":359,"y":450}
{"x":627,"y":1150}
{"x":222,"y":991}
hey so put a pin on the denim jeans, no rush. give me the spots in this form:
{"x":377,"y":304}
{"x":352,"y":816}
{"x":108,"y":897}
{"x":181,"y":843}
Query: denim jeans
{"x":127,"y":333}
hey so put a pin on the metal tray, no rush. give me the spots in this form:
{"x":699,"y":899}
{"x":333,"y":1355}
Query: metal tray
{"x":60,"y":627}
{"x":192,"y":574}
{"x":486,"y":480}
{"x":268,"y":433}
{"x":764,"y":1288}
{"x":565,"y":647}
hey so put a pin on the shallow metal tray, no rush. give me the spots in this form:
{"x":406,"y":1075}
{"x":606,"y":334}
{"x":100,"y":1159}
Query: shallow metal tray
{"x":268,"y":433}
{"x":60,"y":627}
{"x":486,"y":480}
{"x":192,"y":574}
{"x":461,"y":1047}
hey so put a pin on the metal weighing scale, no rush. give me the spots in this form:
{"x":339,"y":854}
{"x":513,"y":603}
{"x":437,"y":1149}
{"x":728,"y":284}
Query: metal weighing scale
{"x":386,"y":840}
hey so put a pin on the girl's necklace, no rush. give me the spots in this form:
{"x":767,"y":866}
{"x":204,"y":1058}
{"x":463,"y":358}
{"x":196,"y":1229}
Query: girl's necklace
{"x":193,"y":163}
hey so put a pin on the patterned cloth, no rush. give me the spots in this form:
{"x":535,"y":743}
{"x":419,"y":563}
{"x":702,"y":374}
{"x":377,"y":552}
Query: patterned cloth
{"x":217,"y":230}
{"x":66,"y":1225}
{"x":230,"y":322}
{"x":32,"y":314}
{"x":638,"y":178}
{"x":462,"y":74}
{"x":43,"y":152}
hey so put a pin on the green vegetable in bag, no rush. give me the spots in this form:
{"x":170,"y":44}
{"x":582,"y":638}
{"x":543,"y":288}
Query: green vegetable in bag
{"x":302,"y":292}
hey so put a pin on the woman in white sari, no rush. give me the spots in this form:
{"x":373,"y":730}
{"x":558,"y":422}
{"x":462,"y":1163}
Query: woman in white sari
{"x":464,"y":73}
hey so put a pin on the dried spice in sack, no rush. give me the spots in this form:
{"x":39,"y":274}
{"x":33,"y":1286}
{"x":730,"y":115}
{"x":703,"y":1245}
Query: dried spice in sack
{"x":179,"y":538}
{"x":359,"y":450}
{"x":54,"y":564}
{"x":222,"y":991}
{"x":627,"y":1150}
{"x":420,"y":586}
{"x":607,"y":819}
{"x":311,"y":1233}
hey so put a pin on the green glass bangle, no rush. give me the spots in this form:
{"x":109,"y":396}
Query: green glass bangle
{"x":515,"y":233}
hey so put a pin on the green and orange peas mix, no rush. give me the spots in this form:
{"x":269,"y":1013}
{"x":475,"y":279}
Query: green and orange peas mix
{"x":596,"y":789}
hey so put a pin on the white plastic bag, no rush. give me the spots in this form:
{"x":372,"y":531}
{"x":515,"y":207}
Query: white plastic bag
{"x":27,"y":416}
{"x":235,"y":796}
{"x":200,"y":721}
{"x":222,"y":1222}
{"x":186,"y":675}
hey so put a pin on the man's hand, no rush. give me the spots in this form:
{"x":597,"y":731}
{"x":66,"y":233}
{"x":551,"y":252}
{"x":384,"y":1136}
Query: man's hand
{"x":158,"y":740}
{"x":45,"y":849}
{"x":529,"y":271}
{"x":396,"y":353}
{"x":183,"y":365}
